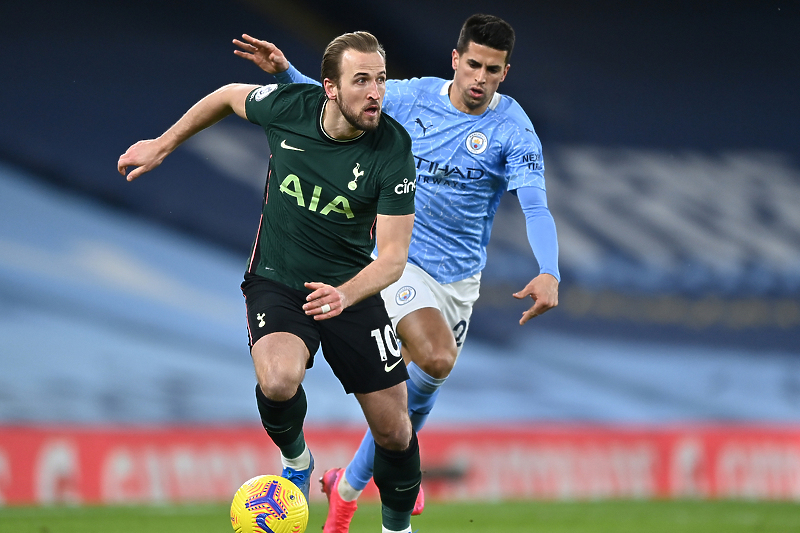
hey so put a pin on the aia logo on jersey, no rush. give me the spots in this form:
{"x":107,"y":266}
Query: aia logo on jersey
{"x":477,"y":143}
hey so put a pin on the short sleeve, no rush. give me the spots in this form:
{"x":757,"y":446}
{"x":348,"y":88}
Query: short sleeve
{"x":258,"y":105}
{"x":398,"y":186}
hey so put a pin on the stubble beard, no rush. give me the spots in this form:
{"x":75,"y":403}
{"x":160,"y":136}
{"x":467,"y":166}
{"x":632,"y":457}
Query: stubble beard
{"x":356,"y":120}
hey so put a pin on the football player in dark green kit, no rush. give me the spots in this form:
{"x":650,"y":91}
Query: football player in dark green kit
{"x":341,"y":178}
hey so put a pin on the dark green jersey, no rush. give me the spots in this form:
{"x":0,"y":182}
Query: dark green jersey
{"x":323,"y":195}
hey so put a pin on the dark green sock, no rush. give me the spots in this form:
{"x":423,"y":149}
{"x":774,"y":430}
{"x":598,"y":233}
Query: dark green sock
{"x":397,"y":475}
{"x":284,"y":421}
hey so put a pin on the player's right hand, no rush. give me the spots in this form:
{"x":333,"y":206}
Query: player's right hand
{"x":325,"y":301}
{"x":265,"y":55}
{"x":543,"y":290}
{"x":144,"y":155}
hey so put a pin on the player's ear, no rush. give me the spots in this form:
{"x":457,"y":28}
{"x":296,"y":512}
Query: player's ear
{"x":505,"y":71}
{"x":455,"y":59}
{"x":331,"y":88}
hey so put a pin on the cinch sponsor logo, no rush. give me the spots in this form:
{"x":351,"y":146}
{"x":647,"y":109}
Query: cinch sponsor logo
{"x":402,"y":188}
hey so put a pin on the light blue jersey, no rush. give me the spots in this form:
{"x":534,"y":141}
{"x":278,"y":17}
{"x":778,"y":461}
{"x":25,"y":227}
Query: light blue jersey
{"x":464,"y":165}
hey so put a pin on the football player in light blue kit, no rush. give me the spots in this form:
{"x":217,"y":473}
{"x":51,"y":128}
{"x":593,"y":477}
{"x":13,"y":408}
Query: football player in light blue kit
{"x":471,"y":144}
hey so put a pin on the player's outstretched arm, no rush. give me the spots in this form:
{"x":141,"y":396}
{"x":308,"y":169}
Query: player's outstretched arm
{"x":271,"y":60}
{"x":264,"y":54}
{"x":543,"y":290}
{"x":147,"y":155}
{"x":393,"y":235}
{"x":541,"y":229}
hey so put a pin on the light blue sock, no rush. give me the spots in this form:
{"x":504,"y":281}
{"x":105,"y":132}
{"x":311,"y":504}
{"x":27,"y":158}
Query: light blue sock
{"x":359,"y":471}
{"x":422,"y":392}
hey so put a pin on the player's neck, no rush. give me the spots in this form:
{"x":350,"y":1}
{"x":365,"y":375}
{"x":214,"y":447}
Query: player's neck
{"x":335,"y":125}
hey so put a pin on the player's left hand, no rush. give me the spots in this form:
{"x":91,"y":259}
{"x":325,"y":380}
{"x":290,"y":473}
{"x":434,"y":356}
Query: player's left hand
{"x":264,"y":54}
{"x":324,"y":302}
{"x":543,"y":290}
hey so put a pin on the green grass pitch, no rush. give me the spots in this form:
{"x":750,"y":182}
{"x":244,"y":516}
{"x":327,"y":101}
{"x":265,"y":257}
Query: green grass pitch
{"x":506,"y":517}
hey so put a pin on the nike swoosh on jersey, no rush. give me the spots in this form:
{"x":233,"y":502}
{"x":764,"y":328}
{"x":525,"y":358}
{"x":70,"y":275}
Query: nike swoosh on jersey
{"x":388,"y":368}
{"x":287,"y":147}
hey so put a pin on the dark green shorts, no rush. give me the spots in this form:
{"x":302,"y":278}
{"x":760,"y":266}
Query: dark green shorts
{"x":360,"y":344}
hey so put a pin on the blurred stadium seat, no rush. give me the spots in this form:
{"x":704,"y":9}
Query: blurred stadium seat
{"x":673,"y":173}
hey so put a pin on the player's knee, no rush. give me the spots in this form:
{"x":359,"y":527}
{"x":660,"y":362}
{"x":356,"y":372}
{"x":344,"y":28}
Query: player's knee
{"x":394,"y":438}
{"x":279,"y":386}
{"x":439,"y":363}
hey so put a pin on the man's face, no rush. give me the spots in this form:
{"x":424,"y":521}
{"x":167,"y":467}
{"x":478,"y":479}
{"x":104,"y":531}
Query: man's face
{"x":479,"y":71}
{"x":361,"y":87}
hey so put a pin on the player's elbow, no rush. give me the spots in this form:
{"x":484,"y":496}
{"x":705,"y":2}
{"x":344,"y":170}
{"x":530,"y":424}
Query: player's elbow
{"x":396,"y":268}
{"x":394,"y":263}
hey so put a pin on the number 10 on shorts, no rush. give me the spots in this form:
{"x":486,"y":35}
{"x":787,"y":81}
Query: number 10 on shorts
{"x":386,"y":340}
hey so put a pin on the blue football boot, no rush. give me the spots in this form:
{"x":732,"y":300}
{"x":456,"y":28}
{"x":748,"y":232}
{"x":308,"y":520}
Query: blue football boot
{"x":301,"y":478}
